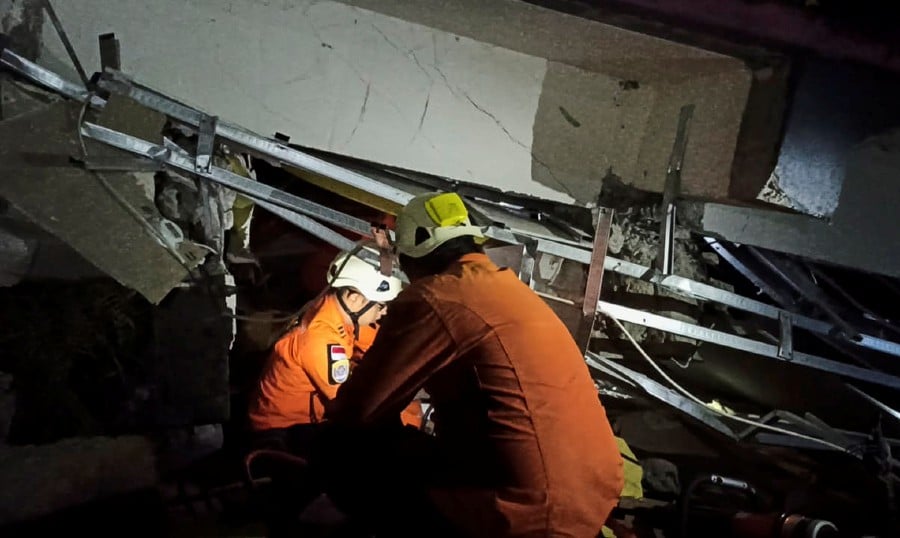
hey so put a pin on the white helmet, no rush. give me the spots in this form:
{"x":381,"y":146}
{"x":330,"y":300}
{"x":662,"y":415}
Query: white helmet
{"x":429,"y":220}
{"x":350,"y":271}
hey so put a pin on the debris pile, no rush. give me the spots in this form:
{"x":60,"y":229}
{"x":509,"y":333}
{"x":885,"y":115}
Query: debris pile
{"x":634,"y":236}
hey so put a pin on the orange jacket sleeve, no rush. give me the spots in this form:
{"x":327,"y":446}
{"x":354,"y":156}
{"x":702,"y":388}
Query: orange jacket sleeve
{"x":324,"y":359}
{"x":413,"y":342}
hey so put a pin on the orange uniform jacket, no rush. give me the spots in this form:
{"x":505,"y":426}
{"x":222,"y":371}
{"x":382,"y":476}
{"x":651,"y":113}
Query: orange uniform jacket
{"x":307,"y":366}
{"x":513,"y":400}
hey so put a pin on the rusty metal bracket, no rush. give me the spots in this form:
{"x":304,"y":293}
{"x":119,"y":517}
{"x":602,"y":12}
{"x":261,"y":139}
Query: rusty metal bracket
{"x":594,"y":282}
{"x":598,"y":259}
{"x":385,"y":251}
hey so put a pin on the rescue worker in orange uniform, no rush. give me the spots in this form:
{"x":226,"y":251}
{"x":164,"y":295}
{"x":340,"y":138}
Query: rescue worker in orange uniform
{"x":313,"y":359}
{"x":522,"y":445}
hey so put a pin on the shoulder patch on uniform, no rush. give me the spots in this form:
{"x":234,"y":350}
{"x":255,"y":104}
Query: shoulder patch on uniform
{"x":338,"y":364}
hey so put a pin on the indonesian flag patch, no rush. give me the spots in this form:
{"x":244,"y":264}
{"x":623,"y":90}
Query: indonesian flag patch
{"x":338,"y":364}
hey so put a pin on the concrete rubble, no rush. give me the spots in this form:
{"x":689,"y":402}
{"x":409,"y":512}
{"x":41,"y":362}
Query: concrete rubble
{"x":634,"y":236}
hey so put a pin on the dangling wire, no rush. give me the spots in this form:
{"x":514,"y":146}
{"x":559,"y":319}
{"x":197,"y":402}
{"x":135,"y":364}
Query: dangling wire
{"x":700,"y":402}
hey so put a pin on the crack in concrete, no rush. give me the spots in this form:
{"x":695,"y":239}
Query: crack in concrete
{"x":359,"y":75}
{"x":461,"y":94}
{"x":409,"y":53}
{"x":520,"y":143}
{"x":447,"y":82}
{"x":497,"y":121}
{"x":362,"y":113}
{"x":424,"y":113}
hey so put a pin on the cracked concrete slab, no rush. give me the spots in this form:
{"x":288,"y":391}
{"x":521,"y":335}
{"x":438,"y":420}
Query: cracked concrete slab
{"x":482,"y":92}
{"x":578,"y":109}
{"x":333,"y":77}
{"x":629,"y":88}
{"x":862,"y":234}
{"x":40,"y":181}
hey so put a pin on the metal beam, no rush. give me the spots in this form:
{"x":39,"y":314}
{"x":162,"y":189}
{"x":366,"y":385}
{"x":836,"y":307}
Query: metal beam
{"x":789,"y":441}
{"x":654,"y":321}
{"x":46,"y":78}
{"x":698,"y":290}
{"x":786,"y":336}
{"x":665,"y":259}
{"x":877,"y":403}
{"x":266,"y":147}
{"x":598,"y":262}
{"x":119,"y":83}
{"x":661,"y":393}
{"x":742,"y":268}
{"x":794,"y":278}
{"x":206,"y":138}
{"x":259,"y":191}
{"x":307,"y":224}
{"x":583,"y":332}
{"x":110,"y":52}
{"x":70,"y":50}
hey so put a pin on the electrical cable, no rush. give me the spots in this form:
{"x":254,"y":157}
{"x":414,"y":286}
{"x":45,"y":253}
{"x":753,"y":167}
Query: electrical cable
{"x":697,"y":400}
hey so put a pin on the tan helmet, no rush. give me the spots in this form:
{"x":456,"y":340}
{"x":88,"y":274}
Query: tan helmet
{"x":350,"y":271}
{"x":429,"y":220}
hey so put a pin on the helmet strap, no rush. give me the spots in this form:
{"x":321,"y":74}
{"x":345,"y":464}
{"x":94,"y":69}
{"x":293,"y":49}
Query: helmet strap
{"x":354,"y":316}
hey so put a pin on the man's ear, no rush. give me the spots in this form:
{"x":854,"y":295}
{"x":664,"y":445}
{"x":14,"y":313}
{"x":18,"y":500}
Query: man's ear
{"x":356,"y":297}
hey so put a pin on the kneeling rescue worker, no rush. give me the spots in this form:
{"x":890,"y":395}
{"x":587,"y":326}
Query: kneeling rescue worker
{"x":522,"y":445}
{"x":309,"y":363}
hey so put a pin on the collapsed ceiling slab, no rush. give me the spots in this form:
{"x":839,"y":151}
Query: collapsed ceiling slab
{"x":502,"y":101}
{"x":72,"y":204}
{"x":862,"y":234}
